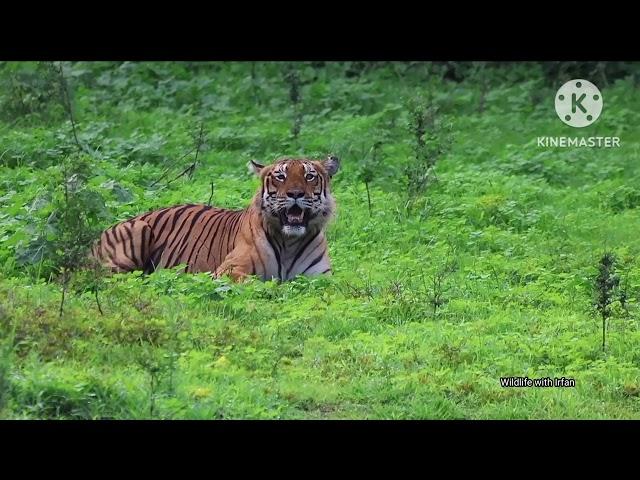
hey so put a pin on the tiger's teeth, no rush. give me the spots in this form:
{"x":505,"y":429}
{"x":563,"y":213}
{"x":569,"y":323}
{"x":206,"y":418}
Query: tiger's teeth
{"x":292,"y":218}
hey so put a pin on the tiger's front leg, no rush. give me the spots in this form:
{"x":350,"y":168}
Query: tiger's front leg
{"x":245,"y":260}
{"x":235,"y":268}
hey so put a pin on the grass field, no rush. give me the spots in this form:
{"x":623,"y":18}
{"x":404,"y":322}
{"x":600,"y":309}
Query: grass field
{"x":487,"y":271}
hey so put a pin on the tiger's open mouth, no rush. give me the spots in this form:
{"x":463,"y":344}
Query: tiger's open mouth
{"x":295,"y":216}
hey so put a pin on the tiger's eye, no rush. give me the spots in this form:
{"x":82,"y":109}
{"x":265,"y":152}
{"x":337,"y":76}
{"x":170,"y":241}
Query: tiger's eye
{"x":310,"y":176}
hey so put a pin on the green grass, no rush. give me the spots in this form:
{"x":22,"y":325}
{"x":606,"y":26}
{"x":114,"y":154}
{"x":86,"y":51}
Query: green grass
{"x":513,"y":231}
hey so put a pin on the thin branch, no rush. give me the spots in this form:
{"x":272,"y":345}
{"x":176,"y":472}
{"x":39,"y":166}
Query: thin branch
{"x":169,"y":169}
{"x":67,"y":104}
{"x":191,"y":168}
{"x":210,"y":196}
{"x":200,"y":141}
{"x":64,"y":291}
{"x":98,"y":302}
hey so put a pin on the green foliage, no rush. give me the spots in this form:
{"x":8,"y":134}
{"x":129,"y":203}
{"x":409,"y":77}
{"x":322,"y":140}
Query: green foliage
{"x":6,"y":354}
{"x":605,"y":285}
{"x":28,"y":89}
{"x":431,"y":139}
{"x":490,"y":272}
{"x":65,"y":219}
{"x":623,"y":198}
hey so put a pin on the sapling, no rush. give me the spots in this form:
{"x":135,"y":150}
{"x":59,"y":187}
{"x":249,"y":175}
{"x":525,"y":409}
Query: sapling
{"x":6,"y":355}
{"x":254,"y":83}
{"x":431,"y":139}
{"x":161,"y":366}
{"x":606,"y":283}
{"x":293,"y":81}
{"x":66,"y":100}
{"x":78,"y":205}
{"x":210,"y":196}
{"x":480,"y":75}
{"x":369,"y":166}
{"x":77,"y":214}
{"x":436,"y":288}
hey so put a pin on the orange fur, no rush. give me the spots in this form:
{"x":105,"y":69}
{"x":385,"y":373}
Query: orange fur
{"x":279,"y":235}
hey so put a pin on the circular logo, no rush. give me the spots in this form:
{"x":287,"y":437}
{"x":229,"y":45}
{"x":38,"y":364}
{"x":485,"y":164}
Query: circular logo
{"x":578,"y":103}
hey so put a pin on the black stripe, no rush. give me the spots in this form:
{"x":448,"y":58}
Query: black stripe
{"x":161,"y":212}
{"x":226,"y":236}
{"x":187,"y":235}
{"x":179,"y":236}
{"x":208,"y":239}
{"x":301,"y":251}
{"x":157,"y":255}
{"x":120,"y":266}
{"x":234,"y":230}
{"x":204,"y":227}
{"x":161,"y":248}
{"x":238,"y":228}
{"x":143,"y":245}
{"x":132,"y":243}
{"x":280,"y":247}
{"x":220,"y":219}
{"x":224,"y":229}
{"x":177,"y":212}
{"x":158,"y":229}
{"x":275,"y":250}
{"x":149,"y":267}
{"x":176,"y":235}
{"x":158,"y":249}
{"x":160,"y":215}
{"x":124,"y":243}
{"x":327,"y":270}
{"x":315,"y":261}
{"x":264,"y":268}
{"x":110,"y":243}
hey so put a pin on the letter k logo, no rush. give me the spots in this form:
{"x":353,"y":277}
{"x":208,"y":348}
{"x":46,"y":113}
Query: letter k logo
{"x":577,"y":103}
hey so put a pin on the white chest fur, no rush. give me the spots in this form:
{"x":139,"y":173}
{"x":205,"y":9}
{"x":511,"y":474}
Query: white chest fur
{"x":296,"y":256}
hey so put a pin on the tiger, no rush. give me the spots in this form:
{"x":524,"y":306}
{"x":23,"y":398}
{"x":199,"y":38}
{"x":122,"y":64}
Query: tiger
{"x":280,"y":235}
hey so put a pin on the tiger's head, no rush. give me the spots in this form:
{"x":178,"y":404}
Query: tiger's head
{"x":295,"y":197}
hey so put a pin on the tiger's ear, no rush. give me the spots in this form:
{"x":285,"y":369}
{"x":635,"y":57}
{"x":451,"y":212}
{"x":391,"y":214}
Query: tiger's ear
{"x":331,"y":165}
{"x":255,"y":167}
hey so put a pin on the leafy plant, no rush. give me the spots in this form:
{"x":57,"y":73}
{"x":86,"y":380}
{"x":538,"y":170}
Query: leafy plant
{"x":369,"y":167}
{"x":6,"y":357}
{"x":606,"y":283}
{"x":431,"y":140}
{"x":28,"y":89}
{"x":292,"y":78}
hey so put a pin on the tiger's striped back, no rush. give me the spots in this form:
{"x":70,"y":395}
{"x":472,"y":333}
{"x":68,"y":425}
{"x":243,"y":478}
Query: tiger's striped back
{"x":196,"y":235}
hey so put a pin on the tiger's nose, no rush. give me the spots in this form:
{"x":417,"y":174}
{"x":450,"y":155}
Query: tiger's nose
{"x":295,"y":194}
